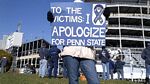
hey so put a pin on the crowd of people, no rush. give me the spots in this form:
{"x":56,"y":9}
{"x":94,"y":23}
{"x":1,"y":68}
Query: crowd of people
{"x":80,"y":57}
{"x":75,"y":57}
{"x":111,"y":66}
{"x":48,"y":61}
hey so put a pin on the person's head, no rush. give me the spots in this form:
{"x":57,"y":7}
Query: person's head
{"x":148,"y":44}
{"x":103,"y":47}
{"x":118,"y":58}
{"x":50,"y":16}
{"x":106,"y":13}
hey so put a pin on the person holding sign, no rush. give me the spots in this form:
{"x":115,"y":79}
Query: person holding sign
{"x":79,"y":56}
{"x":75,"y":57}
{"x":83,"y":57}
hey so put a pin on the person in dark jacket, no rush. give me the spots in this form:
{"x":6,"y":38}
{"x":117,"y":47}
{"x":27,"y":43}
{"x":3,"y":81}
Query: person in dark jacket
{"x":119,"y":67}
{"x":104,"y":56}
{"x":43,"y":53}
{"x":146,"y":56}
{"x":54,"y":53}
{"x":3,"y":63}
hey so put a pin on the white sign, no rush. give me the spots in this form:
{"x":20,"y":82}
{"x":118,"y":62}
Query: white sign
{"x":14,"y":40}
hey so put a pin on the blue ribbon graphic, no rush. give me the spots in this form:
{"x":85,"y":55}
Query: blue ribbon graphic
{"x":98,"y":10}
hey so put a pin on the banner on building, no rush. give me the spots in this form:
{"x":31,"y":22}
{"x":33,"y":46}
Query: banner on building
{"x":14,"y":40}
{"x":78,"y":24}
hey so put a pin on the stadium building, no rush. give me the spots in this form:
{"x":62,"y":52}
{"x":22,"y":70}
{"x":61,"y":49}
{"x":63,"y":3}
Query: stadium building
{"x":128,"y":31}
{"x":129,"y":25}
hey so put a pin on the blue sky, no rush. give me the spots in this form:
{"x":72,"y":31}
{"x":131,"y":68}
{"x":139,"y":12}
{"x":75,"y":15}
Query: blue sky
{"x":31,"y":13}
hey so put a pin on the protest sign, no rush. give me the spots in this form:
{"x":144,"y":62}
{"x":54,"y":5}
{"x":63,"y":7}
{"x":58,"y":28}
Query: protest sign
{"x":78,"y":24}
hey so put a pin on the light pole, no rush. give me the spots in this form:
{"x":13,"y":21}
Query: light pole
{"x":14,"y":51}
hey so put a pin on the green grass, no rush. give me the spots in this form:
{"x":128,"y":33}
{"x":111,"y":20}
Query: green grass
{"x":13,"y":78}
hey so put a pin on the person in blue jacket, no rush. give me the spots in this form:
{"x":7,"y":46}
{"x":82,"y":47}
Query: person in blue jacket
{"x":3,"y":63}
{"x":54,"y":54}
{"x":104,"y":56}
{"x":146,"y":57}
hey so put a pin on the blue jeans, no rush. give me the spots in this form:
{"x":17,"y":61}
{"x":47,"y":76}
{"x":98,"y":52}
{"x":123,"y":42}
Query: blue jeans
{"x":87,"y":66}
{"x":147,"y":70}
{"x":43,"y":68}
{"x":65,"y":75}
{"x":111,"y":73}
{"x":48,"y":70}
{"x":105,"y":72}
{"x":2,"y":69}
{"x":53,"y":65}
{"x":120,"y":72}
